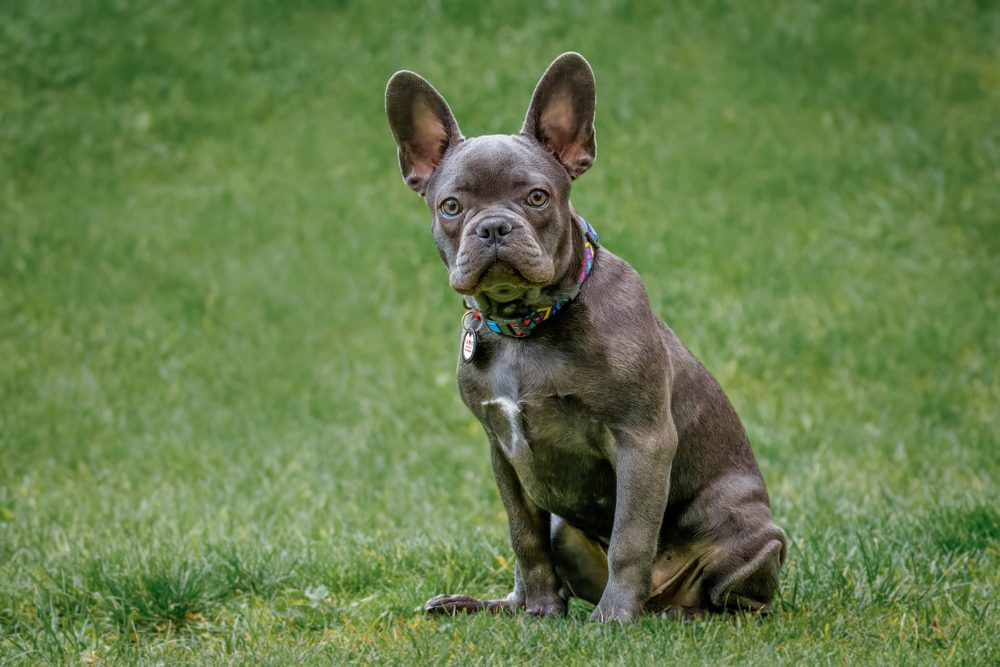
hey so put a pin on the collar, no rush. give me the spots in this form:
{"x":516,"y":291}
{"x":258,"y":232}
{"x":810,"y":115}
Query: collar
{"x":521,"y":327}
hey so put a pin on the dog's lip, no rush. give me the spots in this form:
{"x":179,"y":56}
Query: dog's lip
{"x":474,"y":284}
{"x":503,"y":292}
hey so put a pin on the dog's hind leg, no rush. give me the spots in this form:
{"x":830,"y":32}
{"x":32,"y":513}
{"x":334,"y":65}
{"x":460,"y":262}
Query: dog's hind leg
{"x":581,"y":561}
{"x":463,"y":604}
{"x":749,"y":581}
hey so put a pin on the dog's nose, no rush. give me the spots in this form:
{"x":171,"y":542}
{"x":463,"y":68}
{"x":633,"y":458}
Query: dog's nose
{"x":492,"y":229}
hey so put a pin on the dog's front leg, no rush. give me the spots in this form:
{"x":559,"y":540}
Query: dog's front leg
{"x":642,"y":467}
{"x":535,"y":577}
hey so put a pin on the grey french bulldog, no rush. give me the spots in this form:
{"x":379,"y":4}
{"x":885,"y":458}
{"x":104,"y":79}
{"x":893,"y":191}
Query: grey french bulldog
{"x":627,"y":477}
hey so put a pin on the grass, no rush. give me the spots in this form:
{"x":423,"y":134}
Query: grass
{"x":229,"y":430}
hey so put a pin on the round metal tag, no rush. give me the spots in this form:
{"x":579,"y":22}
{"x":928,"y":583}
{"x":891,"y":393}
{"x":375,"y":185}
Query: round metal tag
{"x":468,"y":345}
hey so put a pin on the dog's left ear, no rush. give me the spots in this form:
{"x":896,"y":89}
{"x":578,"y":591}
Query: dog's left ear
{"x":561,"y":115}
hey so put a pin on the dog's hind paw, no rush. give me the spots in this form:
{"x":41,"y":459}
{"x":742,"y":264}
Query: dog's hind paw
{"x":463,"y":604}
{"x":683,"y":613}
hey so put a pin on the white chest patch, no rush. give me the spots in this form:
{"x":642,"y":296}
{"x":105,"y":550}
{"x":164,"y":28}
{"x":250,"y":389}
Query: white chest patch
{"x":504,"y":418}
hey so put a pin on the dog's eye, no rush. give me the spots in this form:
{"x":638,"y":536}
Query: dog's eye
{"x":450,"y":207}
{"x":538,"y":198}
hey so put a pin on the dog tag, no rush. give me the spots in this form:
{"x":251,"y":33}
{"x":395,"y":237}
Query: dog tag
{"x":468,"y":345}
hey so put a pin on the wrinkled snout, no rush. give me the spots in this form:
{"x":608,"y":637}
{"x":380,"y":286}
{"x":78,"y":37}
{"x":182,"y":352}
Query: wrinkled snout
{"x":499,"y":249}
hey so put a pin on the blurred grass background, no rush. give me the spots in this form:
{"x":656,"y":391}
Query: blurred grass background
{"x":229,"y":430}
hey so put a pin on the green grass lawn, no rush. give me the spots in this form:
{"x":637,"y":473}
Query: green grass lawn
{"x":229,"y":426}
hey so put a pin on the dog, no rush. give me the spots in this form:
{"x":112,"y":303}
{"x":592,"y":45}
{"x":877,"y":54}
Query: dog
{"x":626,"y":474}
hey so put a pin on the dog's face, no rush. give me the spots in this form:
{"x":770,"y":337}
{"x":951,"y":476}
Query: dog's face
{"x":502,"y":217}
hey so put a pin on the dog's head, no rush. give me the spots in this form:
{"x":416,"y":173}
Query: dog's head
{"x":502,"y":217}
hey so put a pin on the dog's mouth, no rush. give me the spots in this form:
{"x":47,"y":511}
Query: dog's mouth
{"x":497,"y":279}
{"x":503,"y":273}
{"x":502,"y":282}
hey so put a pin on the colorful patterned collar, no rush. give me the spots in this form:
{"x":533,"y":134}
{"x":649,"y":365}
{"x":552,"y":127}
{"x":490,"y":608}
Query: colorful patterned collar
{"x":521,"y":327}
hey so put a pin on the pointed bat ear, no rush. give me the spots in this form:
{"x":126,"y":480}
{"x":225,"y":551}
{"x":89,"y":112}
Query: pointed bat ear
{"x":422,"y":124}
{"x":561,"y":114}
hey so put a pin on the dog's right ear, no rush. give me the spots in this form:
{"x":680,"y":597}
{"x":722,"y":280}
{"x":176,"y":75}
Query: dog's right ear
{"x":422,"y":124}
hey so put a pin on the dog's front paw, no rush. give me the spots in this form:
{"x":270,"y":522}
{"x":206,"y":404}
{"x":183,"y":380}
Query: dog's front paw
{"x":619,"y":608}
{"x":546,"y":606}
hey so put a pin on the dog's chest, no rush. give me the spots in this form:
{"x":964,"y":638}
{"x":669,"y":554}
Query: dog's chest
{"x":561,"y":453}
